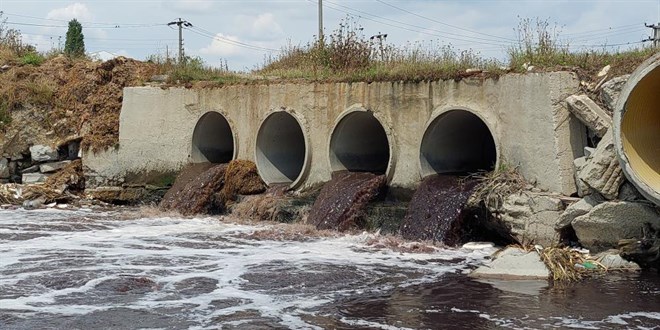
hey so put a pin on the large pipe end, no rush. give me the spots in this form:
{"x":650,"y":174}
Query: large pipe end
{"x":281,"y":150}
{"x":457,"y":141}
{"x":359,"y":143}
{"x":637,"y":129}
{"x":213,"y":140}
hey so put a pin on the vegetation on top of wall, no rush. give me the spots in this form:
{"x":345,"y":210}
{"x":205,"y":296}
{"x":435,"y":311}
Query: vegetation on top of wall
{"x":347,"y":55}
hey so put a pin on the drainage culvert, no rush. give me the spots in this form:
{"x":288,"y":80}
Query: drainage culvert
{"x":281,"y":151}
{"x":213,"y":140}
{"x":359,"y":144}
{"x":457,"y":141}
{"x":637,"y":129}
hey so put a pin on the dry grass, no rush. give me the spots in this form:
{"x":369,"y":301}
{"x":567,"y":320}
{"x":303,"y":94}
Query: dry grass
{"x":494,"y":187}
{"x":562,"y":264}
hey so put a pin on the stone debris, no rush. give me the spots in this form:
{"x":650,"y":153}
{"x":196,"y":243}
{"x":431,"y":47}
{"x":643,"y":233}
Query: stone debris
{"x":41,"y":153}
{"x":629,"y":193}
{"x":53,"y":167}
{"x":602,"y":172}
{"x":604,"y":71}
{"x":577,"y":209}
{"x":589,"y":113}
{"x":610,"y":91}
{"x":532,"y":216}
{"x":32,"y":178}
{"x":514,"y":263}
{"x":607,"y":223}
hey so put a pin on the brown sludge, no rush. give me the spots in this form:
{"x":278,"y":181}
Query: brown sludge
{"x":341,"y":204}
{"x":436,"y":205}
{"x":209,"y":188}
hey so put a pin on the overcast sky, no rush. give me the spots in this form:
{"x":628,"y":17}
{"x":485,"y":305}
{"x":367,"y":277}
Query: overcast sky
{"x":242,"y":32}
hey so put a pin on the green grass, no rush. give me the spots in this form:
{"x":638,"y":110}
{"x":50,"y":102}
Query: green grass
{"x":32,"y":59}
{"x":5,"y":115}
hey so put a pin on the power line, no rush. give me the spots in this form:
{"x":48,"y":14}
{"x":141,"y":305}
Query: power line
{"x":209,"y":34}
{"x":82,"y":22}
{"x":443,"y":23}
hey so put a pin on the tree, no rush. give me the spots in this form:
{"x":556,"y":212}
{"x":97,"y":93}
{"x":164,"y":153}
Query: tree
{"x":75,"y":40}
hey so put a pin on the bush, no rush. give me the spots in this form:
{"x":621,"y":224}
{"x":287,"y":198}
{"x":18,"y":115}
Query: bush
{"x":32,"y":59}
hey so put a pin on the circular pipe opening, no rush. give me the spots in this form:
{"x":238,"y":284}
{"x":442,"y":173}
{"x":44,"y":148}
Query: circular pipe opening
{"x":359,"y":144}
{"x":457,"y":141}
{"x":281,"y":149}
{"x":637,"y":127}
{"x":213,"y":140}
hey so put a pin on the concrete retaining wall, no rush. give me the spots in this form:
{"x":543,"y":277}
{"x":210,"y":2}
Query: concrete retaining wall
{"x":530,"y":125}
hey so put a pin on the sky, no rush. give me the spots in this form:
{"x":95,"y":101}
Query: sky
{"x":242,"y":33}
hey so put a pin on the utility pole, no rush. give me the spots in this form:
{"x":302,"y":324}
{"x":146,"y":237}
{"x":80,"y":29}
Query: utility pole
{"x":181,"y":24}
{"x":321,"y":41}
{"x":656,"y":34}
{"x":381,"y":38}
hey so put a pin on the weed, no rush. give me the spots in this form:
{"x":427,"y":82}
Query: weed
{"x":5,"y":114}
{"x":32,"y":59}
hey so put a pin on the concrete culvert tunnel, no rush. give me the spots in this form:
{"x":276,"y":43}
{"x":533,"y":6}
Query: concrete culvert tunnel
{"x":359,"y":144}
{"x":637,"y":129}
{"x":457,"y":141}
{"x":281,"y":149}
{"x":213,"y":140}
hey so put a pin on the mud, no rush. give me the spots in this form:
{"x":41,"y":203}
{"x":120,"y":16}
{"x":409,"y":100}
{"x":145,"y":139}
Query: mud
{"x":341,"y":205}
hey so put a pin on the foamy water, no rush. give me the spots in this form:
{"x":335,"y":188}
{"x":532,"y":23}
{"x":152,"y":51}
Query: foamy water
{"x":90,"y":270}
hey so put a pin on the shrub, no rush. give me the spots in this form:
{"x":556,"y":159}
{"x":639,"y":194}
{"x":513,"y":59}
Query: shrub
{"x":32,"y":59}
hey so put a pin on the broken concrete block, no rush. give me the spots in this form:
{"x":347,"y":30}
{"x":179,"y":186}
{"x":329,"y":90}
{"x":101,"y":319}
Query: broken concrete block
{"x":31,"y":169}
{"x":582,"y":188}
{"x":611,"y":90}
{"x":602,"y":172}
{"x":609,"y":222}
{"x":577,"y":209}
{"x":589,"y":113}
{"x":41,"y":153}
{"x":514,"y":263}
{"x":31,"y":178}
{"x":53,"y":167}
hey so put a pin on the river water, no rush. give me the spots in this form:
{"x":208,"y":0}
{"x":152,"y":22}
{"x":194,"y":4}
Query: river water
{"x":93,"y":270}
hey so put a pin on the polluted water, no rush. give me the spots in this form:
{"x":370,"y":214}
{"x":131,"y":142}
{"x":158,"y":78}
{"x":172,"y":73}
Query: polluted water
{"x":88,"y":269}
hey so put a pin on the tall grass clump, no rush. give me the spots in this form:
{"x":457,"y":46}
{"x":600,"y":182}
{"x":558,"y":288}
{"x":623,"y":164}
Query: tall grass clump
{"x":540,"y":44}
{"x":348,"y":55}
{"x":191,"y":69}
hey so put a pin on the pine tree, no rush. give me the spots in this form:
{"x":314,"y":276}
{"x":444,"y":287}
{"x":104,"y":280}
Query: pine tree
{"x":75,"y":40}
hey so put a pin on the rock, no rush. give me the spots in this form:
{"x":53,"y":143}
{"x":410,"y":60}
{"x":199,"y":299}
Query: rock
{"x":531,"y":217}
{"x":582,"y":188}
{"x":604,"y":71}
{"x":31,"y":169}
{"x":4,"y":168}
{"x":609,"y":222}
{"x":589,"y":113}
{"x":611,"y":90}
{"x":53,"y":167}
{"x":34,"y":204}
{"x":473,"y":70}
{"x":602,"y":172}
{"x":32,"y":178}
{"x":514,"y":263}
{"x":5,"y":67}
{"x":613,"y":261}
{"x":629,"y":193}
{"x":577,"y":209}
{"x":41,"y":153}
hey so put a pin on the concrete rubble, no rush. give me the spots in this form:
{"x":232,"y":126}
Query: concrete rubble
{"x":41,"y":153}
{"x":514,"y":263}
{"x":601,"y":171}
{"x":589,"y":113}
{"x":610,"y":91}
{"x":607,"y":223}
{"x":577,"y":209}
{"x":532,"y":216}
{"x":4,"y":168}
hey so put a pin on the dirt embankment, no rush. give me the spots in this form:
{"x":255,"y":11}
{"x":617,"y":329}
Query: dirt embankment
{"x":64,"y":99}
